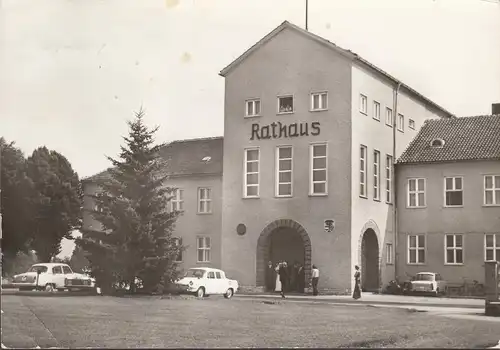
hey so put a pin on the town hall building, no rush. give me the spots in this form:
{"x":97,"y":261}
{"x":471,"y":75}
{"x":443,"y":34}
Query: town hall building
{"x":305,"y":170}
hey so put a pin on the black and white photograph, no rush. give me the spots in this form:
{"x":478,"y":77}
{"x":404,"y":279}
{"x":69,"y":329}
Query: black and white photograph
{"x":250,"y":174}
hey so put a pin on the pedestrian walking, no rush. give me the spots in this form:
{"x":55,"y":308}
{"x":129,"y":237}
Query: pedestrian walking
{"x":277,"y":284}
{"x":357,"y":277}
{"x":283,"y":275}
{"x":315,"y":279}
{"x":301,"y":281}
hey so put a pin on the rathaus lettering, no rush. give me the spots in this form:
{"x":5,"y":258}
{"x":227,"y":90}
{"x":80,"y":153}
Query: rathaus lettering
{"x":278,"y":130}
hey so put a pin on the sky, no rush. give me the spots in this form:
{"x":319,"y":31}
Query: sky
{"x":72,"y":72}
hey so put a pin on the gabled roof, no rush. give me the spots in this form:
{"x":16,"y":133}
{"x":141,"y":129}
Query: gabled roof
{"x":466,"y":138}
{"x":201,"y":156}
{"x":346,"y":53}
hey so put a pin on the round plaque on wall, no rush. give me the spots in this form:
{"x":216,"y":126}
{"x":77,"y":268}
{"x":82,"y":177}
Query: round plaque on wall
{"x":241,"y":229}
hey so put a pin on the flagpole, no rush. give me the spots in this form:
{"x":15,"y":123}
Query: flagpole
{"x":307,"y":9}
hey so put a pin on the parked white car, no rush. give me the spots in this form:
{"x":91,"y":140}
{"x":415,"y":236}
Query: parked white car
{"x":52,"y":276}
{"x":428,"y":282}
{"x":207,"y":281}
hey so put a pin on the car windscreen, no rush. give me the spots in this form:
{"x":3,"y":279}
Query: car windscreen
{"x":42,"y":269}
{"x":424,"y":277}
{"x":194,"y":273}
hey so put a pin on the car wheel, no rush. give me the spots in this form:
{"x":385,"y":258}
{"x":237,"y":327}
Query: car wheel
{"x":229,"y":293}
{"x":200,"y":293}
{"x":49,"y":287}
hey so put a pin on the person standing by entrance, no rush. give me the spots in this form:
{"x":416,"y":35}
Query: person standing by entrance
{"x":315,"y":279}
{"x":301,"y":279}
{"x":357,"y":277}
{"x":270,"y":280}
{"x":277,"y":284}
{"x":283,"y":275}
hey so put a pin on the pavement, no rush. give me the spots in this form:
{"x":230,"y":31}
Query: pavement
{"x":381,"y":299}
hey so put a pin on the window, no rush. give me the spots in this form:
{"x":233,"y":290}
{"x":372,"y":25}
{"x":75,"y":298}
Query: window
{"x":416,"y":193}
{"x":66,"y":270}
{"x":376,"y":110}
{"x":492,"y":247}
{"x":177,"y":200}
{"x":251,"y":180}
{"x":454,"y":246}
{"x":204,"y":200}
{"x":318,"y":175}
{"x":492,"y":190}
{"x":389,"y":252}
{"x":362,"y":171}
{"x":252,"y":108}
{"x":285,"y":104}
{"x":437,"y":143}
{"x":203,"y":247}
{"x":319,"y":101}
{"x":56,"y":270}
{"x":284,"y":171}
{"x":178,"y":243}
{"x":388,"y":117}
{"x":388,"y":178}
{"x":401,"y":122}
{"x":363,"y":104}
{"x":376,"y":175}
{"x":416,"y":249}
{"x":217,"y":275}
{"x":411,"y":124}
{"x":453,"y":191}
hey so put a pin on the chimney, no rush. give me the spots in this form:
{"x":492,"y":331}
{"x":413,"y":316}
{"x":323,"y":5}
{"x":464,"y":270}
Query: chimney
{"x":495,"y":108}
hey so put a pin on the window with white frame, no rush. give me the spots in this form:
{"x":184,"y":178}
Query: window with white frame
{"x":177,"y":200}
{"x":454,"y":245}
{"x":362,"y":170}
{"x":453,"y":191}
{"x":204,"y":200}
{"x":376,"y":110}
{"x":416,"y":249}
{"x":389,"y":252}
{"x":203,"y":246}
{"x":388,"y":117}
{"x":252,"y":108}
{"x":376,"y":175}
{"x":411,"y":124}
{"x":492,"y":190}
{"x":284,"y":155}
{"x":492,"y":247}
{"x":363,"y":104}
{"x":178,"y":243}
{"x":416,"y":193}
{"x":401,"y":122}
{"x":319,"y":101}
{"x":285,"y":104}
{"x":251,"y":180}
{"x":388,"y":178}
{"x":318,"y":175}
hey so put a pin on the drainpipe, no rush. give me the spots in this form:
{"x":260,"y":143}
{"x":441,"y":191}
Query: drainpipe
{"x":394,"y":182}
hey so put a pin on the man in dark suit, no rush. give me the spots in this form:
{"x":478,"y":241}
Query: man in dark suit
{"x":270,"y":277}
{"x":283,"y":272}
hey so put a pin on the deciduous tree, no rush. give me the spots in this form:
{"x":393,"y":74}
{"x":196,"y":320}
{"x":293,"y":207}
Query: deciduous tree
{"x":57,"y":202}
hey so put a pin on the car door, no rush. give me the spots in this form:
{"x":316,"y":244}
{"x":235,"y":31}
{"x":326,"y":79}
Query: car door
{"x":67,"y":272}
{"x":221,"y":285}
{"x":57,"y":276}
{"x":211,"y":283}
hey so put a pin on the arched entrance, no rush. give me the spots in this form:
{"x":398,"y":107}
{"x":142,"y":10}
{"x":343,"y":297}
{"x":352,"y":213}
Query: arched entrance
{"x":370,"y":261}
{"x":283,"y":239}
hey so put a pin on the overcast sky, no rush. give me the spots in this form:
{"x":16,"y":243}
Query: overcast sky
{"x":73,"y":71}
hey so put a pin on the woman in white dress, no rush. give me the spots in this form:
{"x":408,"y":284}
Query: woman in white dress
{"x":278,"y":282}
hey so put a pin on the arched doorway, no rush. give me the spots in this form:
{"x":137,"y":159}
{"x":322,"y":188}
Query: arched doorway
{"x":283,"y":239}
{"x":370,"y":262}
